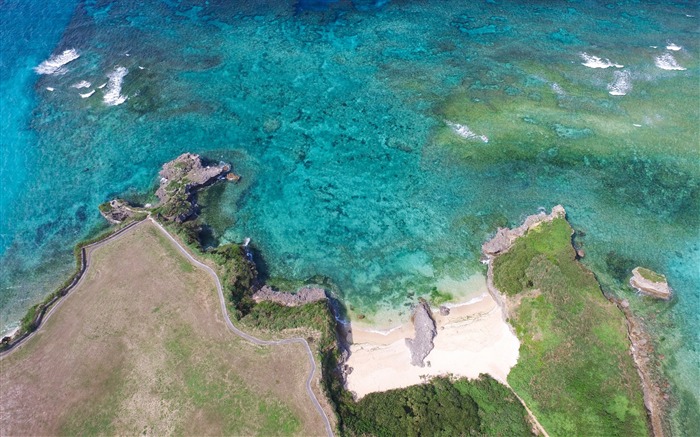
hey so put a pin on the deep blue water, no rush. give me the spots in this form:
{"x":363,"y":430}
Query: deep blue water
{"x":380,"y":143}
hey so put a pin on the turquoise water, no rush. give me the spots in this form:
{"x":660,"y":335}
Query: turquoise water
{"x":380,"y":143}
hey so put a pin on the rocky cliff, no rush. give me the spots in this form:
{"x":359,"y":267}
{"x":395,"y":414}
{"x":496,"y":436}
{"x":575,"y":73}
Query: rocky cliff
{"x":301,"y":297}
{"x":505,"y":237}
{"x":179,"y":179}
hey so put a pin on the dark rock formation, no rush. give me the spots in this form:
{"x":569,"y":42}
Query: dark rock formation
{"x":421,"y":345}
{"x":650,"y":283}
{"x":116,"y":211}
{"x":179,"y":179}
{"x":303,"y":296}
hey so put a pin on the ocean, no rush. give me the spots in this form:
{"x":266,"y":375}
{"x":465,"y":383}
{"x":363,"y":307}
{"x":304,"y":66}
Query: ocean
{"x":380,"y":143}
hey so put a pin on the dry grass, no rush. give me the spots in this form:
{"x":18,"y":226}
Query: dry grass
{"x":140,"y":347}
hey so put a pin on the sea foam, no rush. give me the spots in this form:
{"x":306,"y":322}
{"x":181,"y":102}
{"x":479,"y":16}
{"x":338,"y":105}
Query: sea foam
{"x":88,"y":94}
{"x":112,"y":96}
{"x":621,"y":85}
{"x":464,"y":132}
{"x":82,"y":84}
{"x":667,"y":62}
{"x":674,"y":47}
{"x":55,"y":64}
{"x":596,"y":62}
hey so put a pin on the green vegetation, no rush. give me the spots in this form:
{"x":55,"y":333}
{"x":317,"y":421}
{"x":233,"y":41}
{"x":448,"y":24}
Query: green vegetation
{"x":239,"y":274}
{"x":574,"y":372}
{"x":105,"y":207}
{"x":442,"y":407}
{"x":651,"y":275}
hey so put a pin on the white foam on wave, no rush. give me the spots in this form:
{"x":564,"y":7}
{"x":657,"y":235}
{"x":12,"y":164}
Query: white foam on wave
{"x":86,"y":95}
{"x":54,"y":65}
{"x":82,"y":84}
{"x":558,"y":90}
{"x":621,"y":85}
{"x":464,"y":132}
{"x":674,"y":47}
{"x":667,"y":62}
{"x":596,"y":62}
{"x":102,"y":86}
{"x":113,"y":96}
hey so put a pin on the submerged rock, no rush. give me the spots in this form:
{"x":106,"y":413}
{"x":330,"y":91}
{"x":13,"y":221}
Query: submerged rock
{"x":650,"y":283}
{"x":421,"y":345}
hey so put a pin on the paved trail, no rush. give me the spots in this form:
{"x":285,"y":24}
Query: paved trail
{"x":88,"y":255}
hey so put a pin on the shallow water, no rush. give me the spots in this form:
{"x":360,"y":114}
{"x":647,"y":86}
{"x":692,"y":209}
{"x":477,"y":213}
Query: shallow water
{"x":380,"y":143}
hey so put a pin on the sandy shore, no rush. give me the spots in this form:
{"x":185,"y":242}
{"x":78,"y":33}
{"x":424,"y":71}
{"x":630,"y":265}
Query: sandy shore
{"x":473,"y":339}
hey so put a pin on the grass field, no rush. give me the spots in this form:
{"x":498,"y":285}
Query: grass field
{"x":140,"y":347}
{"x":575,"y":371}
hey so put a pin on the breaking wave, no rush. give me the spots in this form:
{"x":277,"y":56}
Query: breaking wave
{"x":113,"y":96}
{"x":591,"y":61}
{"x":464,"y":132}
{"x":621,"y":85}
{"x":82,"y":84}
{"x":54,"y":65}
{"x":667,"y":62}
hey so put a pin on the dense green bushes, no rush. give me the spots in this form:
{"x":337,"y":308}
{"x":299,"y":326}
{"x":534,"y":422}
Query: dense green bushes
{"x":434,"y":409}
{"x":239,"y":274}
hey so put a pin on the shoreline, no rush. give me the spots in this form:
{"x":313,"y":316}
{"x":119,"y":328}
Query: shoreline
{"x":472,"y":339}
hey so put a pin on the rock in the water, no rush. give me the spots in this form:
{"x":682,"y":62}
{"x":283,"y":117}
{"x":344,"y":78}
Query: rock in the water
{"x":301,"y":297}
{"x":179,"y":179}
{"x":444,"y":311}
{"x":650,"y":283}
{"x":421,"y":345}
{"x":116,"y":211}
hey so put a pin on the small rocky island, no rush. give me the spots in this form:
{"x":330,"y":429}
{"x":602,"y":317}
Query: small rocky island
{"x":422,"y":343}
{"x":650,"y":283}
{"x":179,"y":180}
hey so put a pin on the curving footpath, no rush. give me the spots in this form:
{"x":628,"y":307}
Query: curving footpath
{"x":222,"y":301}
{"x":249,"y":337}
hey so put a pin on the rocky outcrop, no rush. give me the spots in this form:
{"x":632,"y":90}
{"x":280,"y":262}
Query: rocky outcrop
{"x":179,"y":179}
{"x":504,"y":238}
{"x":421,"y":345}
{"x":650,"y":283}
{"x":643,"y":353}
{"x":116,"y":211}
{"x":301,"y":297}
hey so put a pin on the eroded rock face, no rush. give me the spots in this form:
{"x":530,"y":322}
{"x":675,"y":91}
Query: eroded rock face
{"x":504,"y":238}
{"x":650,"y":283}
{"x":179,"y":179}
{"x":421,"y":345}
{"x":301,"y":297}
{"x":116,"y":211}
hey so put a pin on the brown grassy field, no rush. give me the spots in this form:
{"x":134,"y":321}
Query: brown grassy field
{"x":140,"y":347}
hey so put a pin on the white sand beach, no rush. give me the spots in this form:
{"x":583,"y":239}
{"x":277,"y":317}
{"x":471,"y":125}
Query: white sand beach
{"x":473,"y":339}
